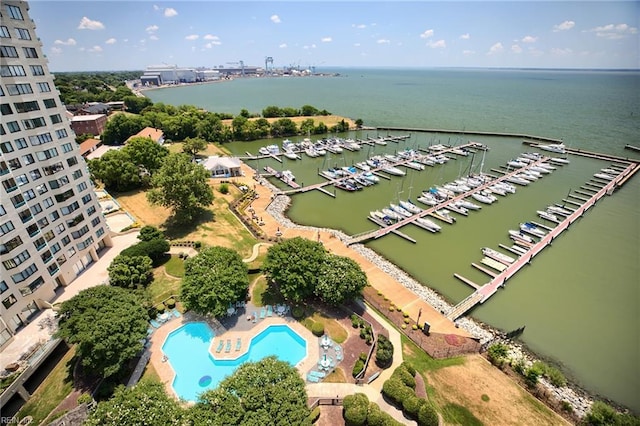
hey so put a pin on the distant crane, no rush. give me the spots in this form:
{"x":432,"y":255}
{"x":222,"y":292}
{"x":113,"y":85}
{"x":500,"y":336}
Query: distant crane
{"x":268,"y":60}
{"x":241,"y":63}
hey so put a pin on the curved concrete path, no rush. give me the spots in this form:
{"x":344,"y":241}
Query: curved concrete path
{"x":255,"y":252}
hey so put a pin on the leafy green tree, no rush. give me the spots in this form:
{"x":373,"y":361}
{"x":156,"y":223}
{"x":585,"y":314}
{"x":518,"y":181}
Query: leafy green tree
{"x":135,"y":104}
{"x":262,"y":128}
{"x":146,"y":153}
{"x":283,"y":127}
{"x":108,"y":325}
{"x":148,"y":233}
{"x":213,"y":279}
{"x":182,"y":186}
{"x":294,"y":266}
{"x":601,"y":414}
{"x":497,"y":353}
{"x":308,"y":111}
{"x":320,"y":129}
{"x":359,"y":123}
{"x":384,"y":351}
{"x":355,"y":409}
{"x":193,"y":146}
{"x":130,"y":271}
{"x":272,"y":111}
{"x":427,"y":415}
{"x":341,"y":279}
{"x":120,"y":127}
{"x":307,"y":126}
{"x":83,"y":137}
{"x":116,"y":171}
{"x":245,"y":113}
{"x":239,"y":126}
{"x":210,"y":128}
{"x":154,"y":249}
{"x":145,"y":404}
{"x":269,"y":391}
{"x":290,"y":112}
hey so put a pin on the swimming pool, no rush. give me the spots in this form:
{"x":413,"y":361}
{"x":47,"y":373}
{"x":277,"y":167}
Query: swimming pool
{"x":197,"y":371}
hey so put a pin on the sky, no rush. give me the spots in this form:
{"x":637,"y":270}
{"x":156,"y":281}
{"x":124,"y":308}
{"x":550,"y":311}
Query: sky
{"x":131,"y":35}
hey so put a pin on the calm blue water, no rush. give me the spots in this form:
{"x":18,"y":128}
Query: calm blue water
{"x":197,"y":371}
{"x":579,"y":299}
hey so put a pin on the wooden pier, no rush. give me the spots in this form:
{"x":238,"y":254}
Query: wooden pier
{"x":486,"y":291}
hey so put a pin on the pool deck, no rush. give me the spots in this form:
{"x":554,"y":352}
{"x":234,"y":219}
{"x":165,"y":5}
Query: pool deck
{"x":244,"y":330}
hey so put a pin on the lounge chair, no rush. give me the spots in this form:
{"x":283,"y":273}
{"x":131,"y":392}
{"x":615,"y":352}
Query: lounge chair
{"x":154,"y":323}
{"x":176,"y":313}
{"x":255,"y":316}
{"x":339,"y":356}
{"x":320,"y":374}
{"x":220,"y":346}
{"x":312,"y":379}
{"x":227,"y":348}
{"x":269,"y":311}
{"x":263,"y":312}
{"x":238,"y":344}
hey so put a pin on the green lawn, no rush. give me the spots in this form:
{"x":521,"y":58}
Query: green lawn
{"x":53,"y":390}
{"x":162,"y":286}
{"x":175,"y":267}
{"x":331,"y":327}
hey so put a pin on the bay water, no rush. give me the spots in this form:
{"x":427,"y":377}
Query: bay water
{"x":579,"y":298}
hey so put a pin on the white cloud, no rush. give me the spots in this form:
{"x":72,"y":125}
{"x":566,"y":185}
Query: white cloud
{"x":56,"y":50}
{"x":275,"y":19}
{"x":496,"y":48}
{"x":427,"y":34}
{"x":156,"y":7}
{"x":326,"y":39}
{"x":88,"y":24}
{"x":383,"y":41}
{"x":282,"y":45}
{"x":614,"y":32}
{"x":516,"y":49}
{"x":566,"y":25}
{"x":111,"y":41}
{"x":440,"y":44}
{"x":529,"y":39}
{"x":211,"y":37}
{"x":311,"y":46}
{"x":561,"y":52}
{"x":68,"y":42}
{"x":152,"y":29}
{"x":170,"y":12}
{"x":192,"y":37}
{"x":95,"y":49}
{"x":356,"y":44}
{"x":359,"y":26}
{"x":465,"y":36}
{"x":153,"y":37}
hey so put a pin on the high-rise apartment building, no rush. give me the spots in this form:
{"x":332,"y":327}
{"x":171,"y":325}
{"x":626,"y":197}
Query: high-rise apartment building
{"x":51,"y":224}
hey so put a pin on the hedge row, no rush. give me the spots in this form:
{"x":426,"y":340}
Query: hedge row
{"x":384,"y":352}
{"x":400,"y":389}
{"x":358,"y":411}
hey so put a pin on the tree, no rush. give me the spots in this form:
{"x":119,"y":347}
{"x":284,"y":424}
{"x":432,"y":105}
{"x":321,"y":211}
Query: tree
{"x":210,"y":128}
{"x":146,"y":153}
{"x":283,"y":127}
{"x":108,"y":325}
{"x":308,"y":110}
{"x":272,"y":111}
{"x":130,"y":271}
{"x":145,"y":404}
{"x":294,"y":266}
{"x":307,"y":126}
{"x":154,"y":249}
{"x":213,"y":279}
{"x":148,"y":233}
{"x":135,"y":104}
{"x":359,"y":123}
{"x":269,"y":391}
{"x":497,"y":353}
{"x":116,"y":171}
{"x":384,"y":351}
{"x":341,"y":279}
{"x":182,"y":186}
{"x":355,"y":409}
{"x":192,"y":146}
{"x":122,"y":126}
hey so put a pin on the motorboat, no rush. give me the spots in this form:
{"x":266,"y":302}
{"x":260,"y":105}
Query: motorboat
{"x":363,"y":166}
{"x":558,"y":148}
{"x":346,"y":186}
{"x":350,"y":170}
{"x":462,"y":185}
{"x":353,"y":183}
{"x":456,"y":206}
{"x":558,"y":210}
{"x":603,"y":176}
{"x":496,"y":255}
{"x":379,"y":216}
{"x":443,"y":192}
{"x":469,"y":205}
{"x":428,"y":224}
{"x":517,"y":164}
{"x":505,"y":186}
{"x":521,"y":237}
{"x":429,"y":199}
{"x":400,"y":210}
{"x":333,"y":148}
{"x":378,"y":141}
{"x":410,"y":207}
{"x":531,"y":156}
{"x":548,"y":216}
{"x":459,"y":151}
{"x":609,"y":171}
{"x":393,"y":215}
{"x":263,"y":150}
{"x":517,"y":180}
{"x":351,"y":145}
{"x":371,"y":177}
{"x":495,"y":189}
{"x":437,"y":147}
{"x":445,"y":214}
{"x":414,"y":165}
{"x":319,"y":147}
{"x":558,"y":160}
{"x":329,"y":174}
{"x":547,"y":166}
{"x":539,"y":169}
{"x":291,"y":155}
{"x":526,"y":176}
{"x":360,"y":180}
{"x":532,"y":229}
{"x":311,"y":152}
{"x":519,"y":249}
{"x":482,"y":198}
{"x":454,"y":187}
{"x":393,"y":171}
{"x":288,"y":175}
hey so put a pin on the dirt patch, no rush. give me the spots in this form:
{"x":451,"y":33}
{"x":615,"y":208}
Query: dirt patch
{"x":330,"y":415}
{"x":507,"y":403}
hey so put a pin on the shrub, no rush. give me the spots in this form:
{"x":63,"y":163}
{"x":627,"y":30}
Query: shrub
{"x":411,"y":406}
{"x":362,"y":357}
{"x":314,"y":415}
{"x":497,"y":353}
{"x":355,"y":321}
{"x":317,"y":329}
{"x":396,"y":391}
{"x":405,"y":314}
{"x":519,"y":367}
{"x":427,"y":415}
{"x":377,"y":417}
{"x":566,"y":406}
{"x":405,"y":377}
{"x":531,"y":377}
{"x":224,"y":188}
{"x":392,"y":308}
{"x":384,"y":352}
{"x":171,"y":303}
{"x":409,"y":368}
{"x":155,"y":249}
{"x":297,"y":312}
{"x":197,"y":244}
{"x":356,"y":409}
{"x":556,"y":377}
{"x":407,"y":320}
{"x":85,"y":398}
{"x":357,"y":368}
{"x":160,"y":308}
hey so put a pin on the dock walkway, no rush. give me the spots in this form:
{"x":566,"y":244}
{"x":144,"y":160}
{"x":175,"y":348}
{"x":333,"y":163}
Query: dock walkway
{"x":486,"y":291}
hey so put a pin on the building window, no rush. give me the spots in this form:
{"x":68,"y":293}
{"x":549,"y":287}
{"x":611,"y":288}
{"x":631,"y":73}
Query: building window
{"x":81,"y":187}
{"x":55,"y":119}
{"x":46,"y":256}
{"x":56,"y":248}
{"x":44,"y":87}
{"x":14,"y":164}
{"x":77,"y":174}
{"x":99,"y":232}
{"x":10,"y":245}
{"x":21,"y":143}
{"x":2,"y":132}
{"x":49,"y":103}
{"x":8,"y":52}
{"x":23,"y":275}
{"x":6,"y":147}
{"x":28,"y":159}
{"x":17,"y":200}
{"x":16,"y":261}
{"x":34,"y":123}
{"x":30,"y":52}
{"x":91,"y":210}
{"x":65,"y":241}
{"x":36,"y":208}
{"x":67,"y":147}
{"x":40,"y":243}
{"x":95,"y":221}
{"x":22,"y":179}
{"x":46,"y":155}
{"x":70,"y":208}
{"x":32,"y":287}
{"x":60,"y":228}
{"x":61,"y":259}
{"x":14,"y":12}
{"x":43,"y":222}
{"x":13,"y":126}
{"x":25,"y":216}
{"x":86,"y":243}
{"x":71,"y":252}
{"x":9,"y":301}
{"x":53,"y":169}
{"x":9,"y":185}
{"x":72,"y":161}
{"x":62,"y":133}
{"x":12,"y":71}
{"x":2,"y":210}
{"x":86,"y":198}
{"x":48,"y":202}
{"x":29,"y":194}
{"x":5,"y":109}
{"x":3,"y":286}
{"x":23,"y":34}
{"x":4,"y":32}
{"x":40,"y":139}
{"x":6,"y":227}
{"x":36,"y":70}
{"x":19,"y":89}
{"x":54,"y":216}
{"x":26,"y":106}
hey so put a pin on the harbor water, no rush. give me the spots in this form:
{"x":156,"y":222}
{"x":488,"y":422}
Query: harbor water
{"x":579,"y":298}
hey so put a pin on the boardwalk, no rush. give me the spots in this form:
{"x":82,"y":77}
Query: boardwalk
{"x":429,"y":211}
{"x":487,"y":290}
